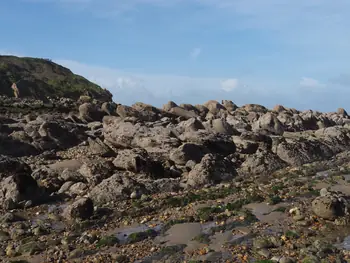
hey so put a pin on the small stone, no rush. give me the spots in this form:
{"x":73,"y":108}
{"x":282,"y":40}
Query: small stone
{"x":10,"y":251}
{"x":76,"y":253}
{"x":4,"y":236}
{"x":311,"y":259}
{"x":264,"y":252}
{"x":145,"y":197}
{"x":276,"y":259}
{"x":28,"y":204}
{"x":286,"y":260}
{"x":135,"y":195}
{"x":262,"y":243}
{"x":296,"y":213}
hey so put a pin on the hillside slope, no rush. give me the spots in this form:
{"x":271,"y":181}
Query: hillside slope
{"x":40,"y":78}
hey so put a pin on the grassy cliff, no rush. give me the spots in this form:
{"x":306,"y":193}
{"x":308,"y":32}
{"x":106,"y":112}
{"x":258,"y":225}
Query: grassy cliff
{"x":40,"y":78}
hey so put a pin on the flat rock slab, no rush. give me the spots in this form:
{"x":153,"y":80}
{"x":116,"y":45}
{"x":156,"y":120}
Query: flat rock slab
{"x":72,"y":165}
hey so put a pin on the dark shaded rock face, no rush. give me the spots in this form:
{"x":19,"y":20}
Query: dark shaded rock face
{"x":81,"y":209}
{"x":187,"y":152}
{"x":16,"y":183}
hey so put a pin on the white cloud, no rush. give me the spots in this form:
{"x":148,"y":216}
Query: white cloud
{"x":310,"y":83}
{"x":195,"y":53}
{"x":229,"y":84}
{"x":130,"y":87}
{"x":4,"y":52}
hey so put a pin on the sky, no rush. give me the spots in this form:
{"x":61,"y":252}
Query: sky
{"x":295,"y":53}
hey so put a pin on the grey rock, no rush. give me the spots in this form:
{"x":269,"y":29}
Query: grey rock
{"x":211,"y":170}
{"x":16,"y":184}
{"x":270,"y":123}
{"x":187,"y":152}
{"x":117,"y":187}
{"x":328,"y":207}
{"x":97,"y":147}
{"x":81,"y":209}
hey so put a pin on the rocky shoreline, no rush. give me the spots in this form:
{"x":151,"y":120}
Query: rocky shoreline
{"x":89,"y":181}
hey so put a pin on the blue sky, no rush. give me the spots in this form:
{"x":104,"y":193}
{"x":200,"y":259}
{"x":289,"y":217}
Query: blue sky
{"x":295,"y":53}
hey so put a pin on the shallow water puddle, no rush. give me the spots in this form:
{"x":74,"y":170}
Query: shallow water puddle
{"x":265,"y":213}
{"x":184,"y":233}
{"x":345,"y":245}
{"x":227,"y":237}
{"x":342,"y":187}
{"x":323,"y":174}
{"x":48,"y":218}
{"x":124,"y":232}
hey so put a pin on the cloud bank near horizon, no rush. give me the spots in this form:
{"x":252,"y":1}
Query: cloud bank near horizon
{"x":157,"y":89}
{"x":131,"y":87}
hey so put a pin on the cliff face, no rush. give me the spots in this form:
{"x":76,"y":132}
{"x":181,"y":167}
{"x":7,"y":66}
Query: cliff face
{"x":40,"y":78}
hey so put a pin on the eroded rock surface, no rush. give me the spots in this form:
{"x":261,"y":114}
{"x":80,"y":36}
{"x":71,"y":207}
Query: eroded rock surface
{"x":106,"y":182}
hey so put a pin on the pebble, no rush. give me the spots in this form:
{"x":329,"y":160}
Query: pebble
{"x":286,"y":260}
{"x":264,"y":252}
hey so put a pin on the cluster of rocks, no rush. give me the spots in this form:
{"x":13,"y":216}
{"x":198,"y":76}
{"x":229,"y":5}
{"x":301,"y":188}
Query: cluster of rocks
{"x":96,"y":154}
{"x":139,"y":149}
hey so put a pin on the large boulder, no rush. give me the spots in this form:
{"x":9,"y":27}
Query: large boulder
{"x":192,"y":124}
{"x":88,"y":112}
{"x":147,"y":112}
{"x":138,"y":161}
{"x":118,"y":187}
{"x":96,"y":170}
{"x":48,"y":179}
{"x":342,"y":112}
{"x":169,"y":106}
{"x":187,"y":152}
{"x":239,"y":122}
{"x":16,"y":147}
{"x":190,"y":107}
{"x":81,"y":209}
{"x":99,"y":148}
{"x":212,"y":169}
{"x":127,"y":111}
{"x":58,"y":134}
{"x":229,"y":105}
{"x":214,"y":107}
{"x":298,"y":152}
{"x":119,"y":133}
{"x":336,"y":138}
{"x":291,"y":122}
{"x":330,"y":205}
{"x":181,"y":112}
{"x":215,"y":143}
{"x":254,"y":108}
{"x":262,"y":162}
{"x":16,"y":183}
{"x":269,"y":123}
{"x":109,"y":108}
{"x":126,"y":135}
{"x":279,"y":108}
{"x":222,"y":126}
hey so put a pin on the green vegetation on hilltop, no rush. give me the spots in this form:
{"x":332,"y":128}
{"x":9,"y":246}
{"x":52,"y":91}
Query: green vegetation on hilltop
{"x":40,"y":78}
